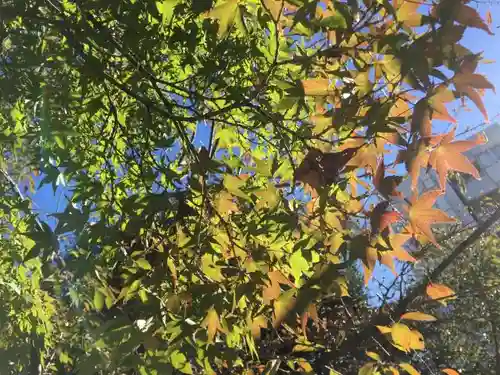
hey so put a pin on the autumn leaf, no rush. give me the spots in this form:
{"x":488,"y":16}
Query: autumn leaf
{"x":439,"y":292}
{"x":447,"y":156}
{"x":421,"y":119}
{"x":369,"y":368}
{"x":422,"y":215}
{"x":477,"y":81}
{"x":374,"y":356}
{"x":387,"y":186}
{"x":225,"y":204}
{"x":380,"y":218}
{"x":437,"y":102}
{"x":409,"y":369}
{"x":273,"y":290}
{"x":468,"y":16}
{"x":397,"y":242}
{"x":415,"y":158}
{"x":365,"y":157}
{"x":407,"y":13}
{"x":418,"y":316}
{"x":401,"y":335}
{"x":282,"y":306}
{"x":316,"y":87}
{"x":257,"y":323}
{"x":319,"y":169}
{"x":405,"y":338}
{"x":211,"y":322}
{"x":489,"y":18}
{"x":450,"y":371}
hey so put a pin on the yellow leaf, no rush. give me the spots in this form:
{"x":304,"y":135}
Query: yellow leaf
{"x":212,"y":324}
{"x":384,"y":329}
{"x":368,"y":369}
{"x":225,"y":205}
{"x":418,"y":316}
{"x":316,"y":87}
{"x":258,"y":323}
{"x":374,"y":356}
{"x":409,"y":369}
{"x":401,"y":336}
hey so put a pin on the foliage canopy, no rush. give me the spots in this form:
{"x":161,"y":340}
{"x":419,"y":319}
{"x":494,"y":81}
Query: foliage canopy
{"x":175,"y":258}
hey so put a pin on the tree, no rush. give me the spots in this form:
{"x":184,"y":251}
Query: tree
{"x":220,"y":160}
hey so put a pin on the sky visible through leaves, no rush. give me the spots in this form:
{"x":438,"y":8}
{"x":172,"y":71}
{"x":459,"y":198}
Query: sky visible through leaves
{"x":46,"y":201}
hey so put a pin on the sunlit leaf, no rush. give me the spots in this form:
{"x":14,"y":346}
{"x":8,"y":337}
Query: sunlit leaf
{"x":418,"y":316}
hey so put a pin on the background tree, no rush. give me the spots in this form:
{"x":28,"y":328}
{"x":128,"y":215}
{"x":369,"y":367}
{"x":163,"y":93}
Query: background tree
{"x":225,"y":164}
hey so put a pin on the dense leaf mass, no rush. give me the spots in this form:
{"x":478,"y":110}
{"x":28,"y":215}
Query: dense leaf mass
{"x":217,"y":163}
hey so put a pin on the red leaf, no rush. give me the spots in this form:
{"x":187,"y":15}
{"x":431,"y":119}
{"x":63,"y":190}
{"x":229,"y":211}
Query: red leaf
{"x":448,"y":157}
{"x":380,"y":218}
{"x":422,"y":215}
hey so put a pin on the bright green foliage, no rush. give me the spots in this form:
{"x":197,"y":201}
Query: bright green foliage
{"x":221,"y":259}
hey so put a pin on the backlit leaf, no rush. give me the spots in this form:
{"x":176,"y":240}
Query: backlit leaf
{"x":439,"y":292}
{"x":409,"y":369}
{"x":448,"y":156}
{"x":225,"y":14}
{"x":418,"y":316}
{"x":422,"y":215}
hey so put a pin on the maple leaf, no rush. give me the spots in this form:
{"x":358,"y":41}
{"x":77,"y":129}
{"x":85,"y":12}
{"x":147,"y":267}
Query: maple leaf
{"x":381,"y":219}
{"x":319,"y":169}
{"x":212,"y":323}
{"x":387,"y":186}
{"x":421,"y":119}
{"x":437,"y":102}
{"x":316,"y":87}
{"x":397,"y":241}
{"x":447,"y":156}
{"x":422,"y":215}
{"x":415,"y":157}
{"x":470,"y":17}
{"x":273,"y":290}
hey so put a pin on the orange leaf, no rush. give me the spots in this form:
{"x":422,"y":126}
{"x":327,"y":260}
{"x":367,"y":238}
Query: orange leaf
{"x":365,"y":157}
{"x":489,"y":19}
{"x":450,"y":371}
{"x":257,"y":323}
{"x":272,"y":290}
{"x":468,"y":16}
{"x":437,"y":102}
{"x":397,"y":241}
{"x":448,"y":157}
{"x":476,"y":99}
{"x":415,"y":315}
{"x":415,"y":158}
{"x":386,"y":258}
{"x":316,"y":87}
{"x":439,"y":291}
{"x":422,"y":215}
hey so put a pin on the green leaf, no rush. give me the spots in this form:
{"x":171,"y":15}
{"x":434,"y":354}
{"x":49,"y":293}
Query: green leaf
{"x":143,"y":263}
{"x":98,"y":300}
{"x":166,"y":9}
{"x":180,"y":362}
{"x":226,"y":13}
